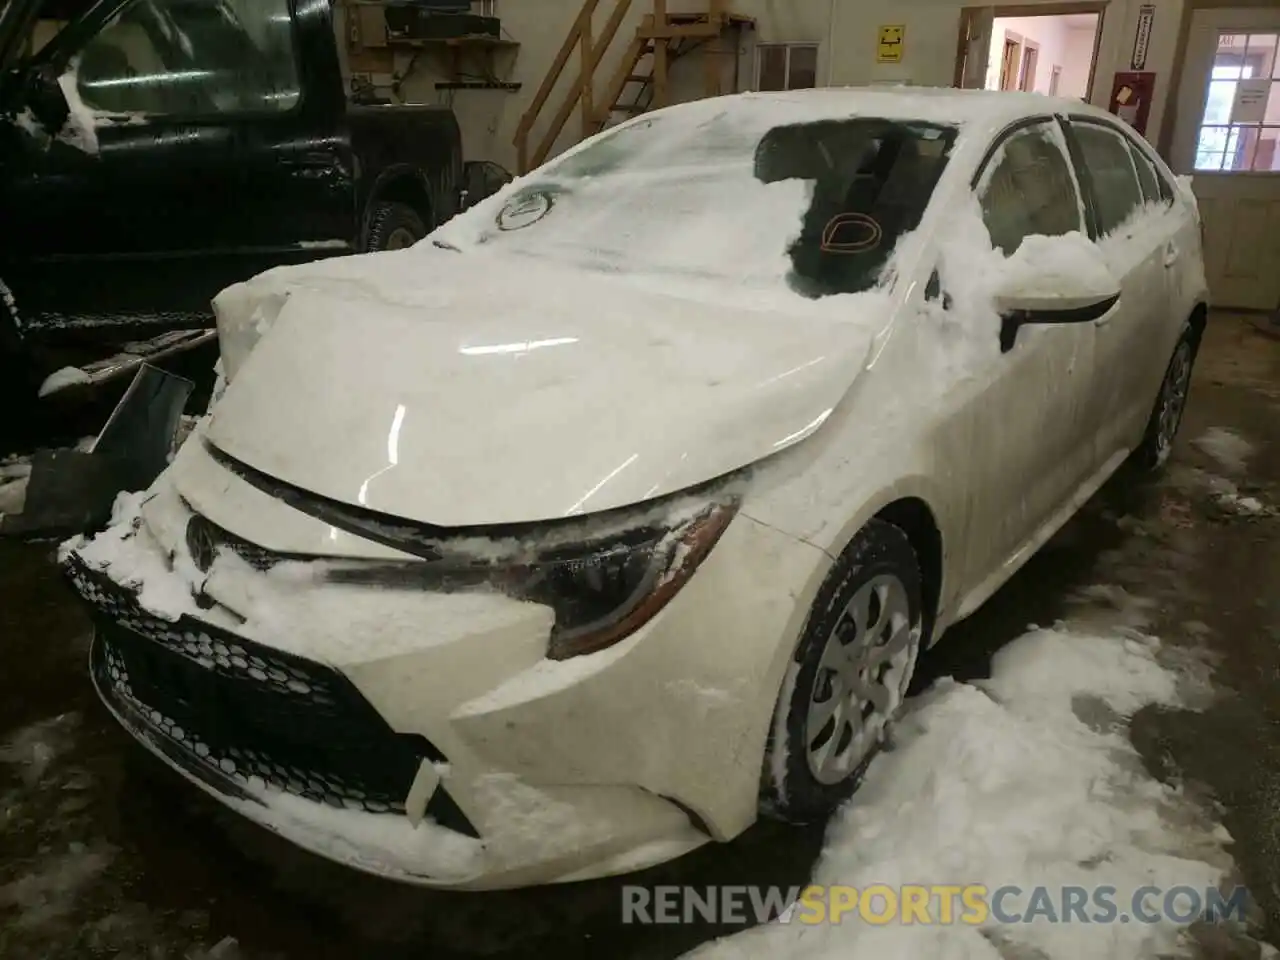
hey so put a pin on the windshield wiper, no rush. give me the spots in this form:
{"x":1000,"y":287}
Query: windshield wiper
{"x":445,"y":246}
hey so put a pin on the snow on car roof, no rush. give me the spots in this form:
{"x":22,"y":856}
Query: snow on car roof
{"x":946,"y":105}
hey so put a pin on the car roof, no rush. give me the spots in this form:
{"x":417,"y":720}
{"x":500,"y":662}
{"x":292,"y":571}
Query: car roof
{"x":984,"y":109}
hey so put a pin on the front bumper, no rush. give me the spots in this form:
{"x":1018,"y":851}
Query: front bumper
{"x":442,"y":749}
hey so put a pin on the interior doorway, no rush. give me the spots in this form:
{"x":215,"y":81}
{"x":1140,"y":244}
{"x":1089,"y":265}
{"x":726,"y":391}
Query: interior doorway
{"x":1049,"y":48}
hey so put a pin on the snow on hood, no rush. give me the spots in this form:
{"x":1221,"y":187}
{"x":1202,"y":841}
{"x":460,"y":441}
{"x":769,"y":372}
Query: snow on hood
{"x":460,"y":401}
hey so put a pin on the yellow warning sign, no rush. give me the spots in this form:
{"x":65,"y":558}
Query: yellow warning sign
{"x":889,"y":47}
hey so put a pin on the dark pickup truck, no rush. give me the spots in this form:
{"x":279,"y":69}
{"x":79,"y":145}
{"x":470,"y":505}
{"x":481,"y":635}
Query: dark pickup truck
{"x":156,"y":151}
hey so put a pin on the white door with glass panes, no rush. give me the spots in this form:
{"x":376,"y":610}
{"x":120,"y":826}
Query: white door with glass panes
{"x":1227,"y":137}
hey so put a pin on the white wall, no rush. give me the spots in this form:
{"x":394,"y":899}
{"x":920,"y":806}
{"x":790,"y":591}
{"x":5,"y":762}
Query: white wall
{"x":1059,"y":44}
{"x":845,"y":29}
{"x":1077,"y":55}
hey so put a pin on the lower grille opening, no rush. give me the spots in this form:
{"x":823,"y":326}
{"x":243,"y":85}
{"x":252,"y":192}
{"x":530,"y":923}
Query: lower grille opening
{"x":239,"y":715}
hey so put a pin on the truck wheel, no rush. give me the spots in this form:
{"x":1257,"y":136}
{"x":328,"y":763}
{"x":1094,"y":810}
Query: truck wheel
{"x":393,"y":226}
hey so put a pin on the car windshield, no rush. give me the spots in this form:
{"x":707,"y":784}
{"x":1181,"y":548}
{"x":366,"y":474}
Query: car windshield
{"x":818,"y":205}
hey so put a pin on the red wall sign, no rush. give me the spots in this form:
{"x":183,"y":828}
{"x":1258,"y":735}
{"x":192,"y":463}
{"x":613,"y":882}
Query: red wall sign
{"x":1131,"y":97}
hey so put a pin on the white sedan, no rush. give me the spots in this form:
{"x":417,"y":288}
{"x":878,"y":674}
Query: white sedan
{"x":620,"y":509}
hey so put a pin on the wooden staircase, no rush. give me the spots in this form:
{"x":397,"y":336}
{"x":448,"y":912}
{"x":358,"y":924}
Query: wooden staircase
{"x":641,"y":80}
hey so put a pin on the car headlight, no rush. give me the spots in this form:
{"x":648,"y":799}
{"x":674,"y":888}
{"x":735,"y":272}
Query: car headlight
{"x":602,"y":585}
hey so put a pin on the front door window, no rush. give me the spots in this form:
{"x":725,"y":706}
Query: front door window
{"x":1030,"y":189}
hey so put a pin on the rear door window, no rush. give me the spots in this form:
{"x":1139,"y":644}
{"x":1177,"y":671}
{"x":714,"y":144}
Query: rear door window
{"x":1155,"y":185}
{"x":1146,"y":176}
{"x":1109,"y":167}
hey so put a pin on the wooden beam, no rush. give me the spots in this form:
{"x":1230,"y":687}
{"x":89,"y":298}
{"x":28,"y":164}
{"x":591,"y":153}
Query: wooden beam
{"x":589,"y":83}
{"x":712,"y":66}
{"x":661,"y":53}
{"x":626,"y":67}
{"x":671,"y":31}
{"x":549,"y":82}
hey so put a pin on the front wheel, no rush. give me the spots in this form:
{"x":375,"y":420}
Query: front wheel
{"x":1171,"y":403}
{"x":848,"y":677}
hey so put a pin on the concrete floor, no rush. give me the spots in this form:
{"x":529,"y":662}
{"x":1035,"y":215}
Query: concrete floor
{"x":103,"y":854}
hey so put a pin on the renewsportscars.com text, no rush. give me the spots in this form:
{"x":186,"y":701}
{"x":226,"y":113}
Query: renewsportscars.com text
{"x":941,"y":904}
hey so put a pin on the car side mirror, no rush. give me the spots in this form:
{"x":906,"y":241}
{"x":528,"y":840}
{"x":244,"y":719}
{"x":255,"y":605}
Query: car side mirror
{"x":1053,"y":280}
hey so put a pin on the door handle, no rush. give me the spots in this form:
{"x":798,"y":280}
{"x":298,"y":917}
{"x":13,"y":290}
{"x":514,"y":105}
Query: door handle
{"x":1170,"y":255}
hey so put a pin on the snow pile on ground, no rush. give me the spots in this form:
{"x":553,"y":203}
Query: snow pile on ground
{"x":1024,"y":779}
{"x":1228,"y":448}
{"x":1229,"y":499}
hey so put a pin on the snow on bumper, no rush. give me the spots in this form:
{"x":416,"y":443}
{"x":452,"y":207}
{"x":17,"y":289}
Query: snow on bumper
{"x":424,"y":736}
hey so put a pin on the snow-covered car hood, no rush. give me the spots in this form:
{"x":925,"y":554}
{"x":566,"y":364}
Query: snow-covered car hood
{"x":457,"y":402}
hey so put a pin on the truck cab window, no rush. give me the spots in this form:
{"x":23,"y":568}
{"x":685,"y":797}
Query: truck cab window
{"x":192,"y":58}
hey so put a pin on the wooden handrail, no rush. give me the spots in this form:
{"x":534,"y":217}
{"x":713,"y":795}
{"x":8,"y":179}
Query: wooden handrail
{"x":539,"y":101}
{"x":592,"y":53}
{"x":656,"y":29}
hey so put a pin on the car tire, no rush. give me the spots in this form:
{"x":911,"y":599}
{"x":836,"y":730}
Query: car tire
{"x":393,"y":226}
{"x":876,"y":579}
{"x":1171,"y":402}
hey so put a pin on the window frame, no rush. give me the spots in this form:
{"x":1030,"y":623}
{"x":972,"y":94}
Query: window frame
{"x":788,"y":47}
{"x":1028,"y":66}
{"x":1023,"y":123}
{"x":90,"y":32}
{"x":1233,"y":128}
{"x":1082,"y":167}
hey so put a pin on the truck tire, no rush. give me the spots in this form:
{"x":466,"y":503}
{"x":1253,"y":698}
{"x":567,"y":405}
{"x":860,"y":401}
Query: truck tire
{"x":393,"y":226}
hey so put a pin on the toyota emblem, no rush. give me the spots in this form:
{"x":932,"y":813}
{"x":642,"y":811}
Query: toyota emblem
{"x":202,"y":543}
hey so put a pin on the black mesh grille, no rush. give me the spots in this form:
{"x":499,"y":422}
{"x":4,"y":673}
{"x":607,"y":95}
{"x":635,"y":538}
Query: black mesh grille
{"x":234,"y":712}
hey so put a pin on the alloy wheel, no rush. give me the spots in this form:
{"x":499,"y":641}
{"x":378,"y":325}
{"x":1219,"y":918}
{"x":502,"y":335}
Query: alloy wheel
{"x":1173,"y":399}
{"x":861,"y":680}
